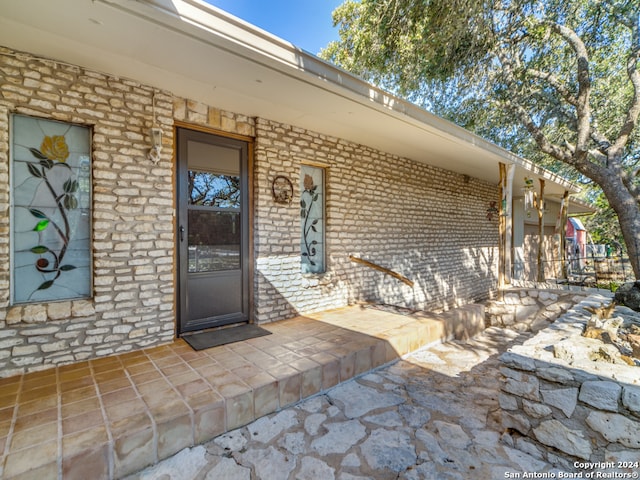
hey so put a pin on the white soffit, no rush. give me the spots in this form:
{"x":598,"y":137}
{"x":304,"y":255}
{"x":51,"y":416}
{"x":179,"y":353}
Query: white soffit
{"x":197,"y":51}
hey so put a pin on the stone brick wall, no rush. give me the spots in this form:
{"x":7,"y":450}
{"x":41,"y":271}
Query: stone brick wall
{"x":133,"y":240}
{"x":585,"y":410}
{"x":133,"y":305}
{"x":425,"y":223}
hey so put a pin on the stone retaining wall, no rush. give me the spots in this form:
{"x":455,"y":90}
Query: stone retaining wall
{"x":570,"y":409}
{"x":530,"y":309}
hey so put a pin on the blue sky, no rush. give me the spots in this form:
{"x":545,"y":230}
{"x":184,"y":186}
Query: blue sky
{"x":305,"y":23}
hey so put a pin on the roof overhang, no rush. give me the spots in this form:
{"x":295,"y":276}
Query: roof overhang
{"x":197,"y":51}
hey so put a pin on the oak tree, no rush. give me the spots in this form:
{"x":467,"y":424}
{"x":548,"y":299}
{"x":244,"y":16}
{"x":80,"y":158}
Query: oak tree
{"x":563,"y":72}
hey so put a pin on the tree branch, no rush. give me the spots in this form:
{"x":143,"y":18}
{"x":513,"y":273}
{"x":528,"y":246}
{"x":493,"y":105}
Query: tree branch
{"x":536,"y":132}
{"x":633,"y":112}
{"x":584,"y":86}
{"x":599,"y":138}
{"x":538,"y":135}
{"x":598,"y":156}
{"x":555,"y":83}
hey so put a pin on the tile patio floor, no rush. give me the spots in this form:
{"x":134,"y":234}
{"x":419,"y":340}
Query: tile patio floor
{"x":112,"y":416}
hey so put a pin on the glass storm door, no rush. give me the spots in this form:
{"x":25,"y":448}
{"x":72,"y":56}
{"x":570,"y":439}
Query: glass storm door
{"x":212,"y":230}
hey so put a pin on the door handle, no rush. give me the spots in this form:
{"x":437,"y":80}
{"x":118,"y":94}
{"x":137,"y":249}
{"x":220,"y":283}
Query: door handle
{"x":181,"y":233}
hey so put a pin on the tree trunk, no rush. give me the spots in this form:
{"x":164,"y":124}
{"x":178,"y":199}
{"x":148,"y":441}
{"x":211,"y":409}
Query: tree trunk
{"x":627,"y":208}
{"x":629,"y":217}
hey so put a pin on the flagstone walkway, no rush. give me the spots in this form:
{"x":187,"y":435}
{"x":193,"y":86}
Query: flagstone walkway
{"x":431,"y":415}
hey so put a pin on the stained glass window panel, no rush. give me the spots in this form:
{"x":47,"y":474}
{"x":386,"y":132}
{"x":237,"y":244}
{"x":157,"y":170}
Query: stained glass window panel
{"x":51,"y":210}
{"x":312,"y":242}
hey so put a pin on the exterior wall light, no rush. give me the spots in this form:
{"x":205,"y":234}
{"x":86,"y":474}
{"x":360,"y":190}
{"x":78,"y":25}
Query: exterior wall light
{"x":156,"y":144}
{"x":528,"y":192}
{"x":156,"y":135}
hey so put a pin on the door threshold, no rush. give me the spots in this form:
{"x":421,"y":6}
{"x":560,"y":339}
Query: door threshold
{"x":214,"y":329}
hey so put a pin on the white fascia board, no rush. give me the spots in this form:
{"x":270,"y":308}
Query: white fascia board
{"x":274,"y":52}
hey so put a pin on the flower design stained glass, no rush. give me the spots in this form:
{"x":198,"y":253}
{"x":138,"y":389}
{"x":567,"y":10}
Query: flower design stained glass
{"x":312,"y":219}
{"x":51,"y":210}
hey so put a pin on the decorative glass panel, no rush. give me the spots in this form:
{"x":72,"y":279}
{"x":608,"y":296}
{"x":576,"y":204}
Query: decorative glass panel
{"x":312,"y":219}
{"x":51,"y":214}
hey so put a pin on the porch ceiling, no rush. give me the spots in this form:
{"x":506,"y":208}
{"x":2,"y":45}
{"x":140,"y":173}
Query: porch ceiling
{"x":202,"y":53}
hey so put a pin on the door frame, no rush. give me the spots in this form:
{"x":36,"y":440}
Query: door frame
{"x":180,"y":308}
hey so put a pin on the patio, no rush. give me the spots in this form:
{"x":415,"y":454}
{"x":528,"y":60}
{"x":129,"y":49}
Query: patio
{"x":112,"y":416}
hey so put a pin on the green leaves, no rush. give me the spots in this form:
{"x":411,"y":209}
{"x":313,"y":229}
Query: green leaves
{"x":33,"y":170}
{"x":70,"y":186}
{"x":70,"y":202}
{"x":46,"y":285}
{"x":38,"y":154}
{"x":37,"y":213}
{"x":40,"y":249}
{"x":41,"y":225}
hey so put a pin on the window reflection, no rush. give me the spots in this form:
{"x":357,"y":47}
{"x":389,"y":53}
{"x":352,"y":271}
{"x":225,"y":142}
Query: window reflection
{"x":214,"y":190}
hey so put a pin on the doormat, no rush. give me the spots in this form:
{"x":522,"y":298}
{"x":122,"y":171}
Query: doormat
{"x":215,"y":338}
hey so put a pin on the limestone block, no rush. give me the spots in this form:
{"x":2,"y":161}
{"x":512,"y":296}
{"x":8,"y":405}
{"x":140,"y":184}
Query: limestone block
{"x":40,"y":332}
{"x":8,"y":333}
{"x":601,"y":394}
{"x":82,"y":308}
{"x":465,"y":322}
{"x":631,"y":399}
{"x":24,"y":350}
{"x":59,"y":310}
{"x":615,"y":428}
{"x":388,"y":449}
{"x":119,"y":329}
{"x":515,"y":421}
{"x":34,"y":314}
{"x":564,"y":399}
{"x":525,"y":312}
{"x":580,"y":350}
{"x":54,"y":346}
{"x":520,"y":362}
{"x":528,"y":447}
{"x":623,"y":456}
{"x":536,"y":410}
{"x":25,"y":361}
{"x":528,"y":387}
{"x":555,"y":374}
{"x":341,"y":436}
{"x":555,"y":434}
{"x":512,"y":299}
{"x":14,"y":315}
{"x":547,"y":297}
{"x":508,"y":402}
